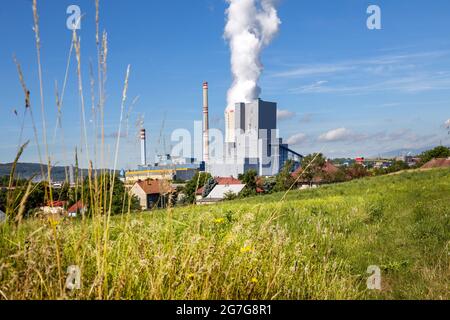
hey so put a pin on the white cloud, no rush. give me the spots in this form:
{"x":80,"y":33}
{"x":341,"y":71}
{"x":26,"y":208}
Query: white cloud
{"x":341,"y":134}
{"x":406,"y":73}
{"x":447,"y":124}
{"x":284,"y":115}
{"x":375,"y":65}
{"x":405,"y":84}
{"x":297,"y":139}
{"x":312,"y":70}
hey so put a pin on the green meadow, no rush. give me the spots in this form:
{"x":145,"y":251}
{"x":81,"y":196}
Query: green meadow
{"x":315,"y":244}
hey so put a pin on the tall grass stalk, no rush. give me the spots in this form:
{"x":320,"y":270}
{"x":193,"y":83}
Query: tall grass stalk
{"x":27,"y":96}
{"x":41,"y":91}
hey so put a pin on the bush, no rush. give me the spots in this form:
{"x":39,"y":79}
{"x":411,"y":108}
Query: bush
{"x":249,"y":179}
{"x":284,"y":179}
{"x":229,"y":196}
{"x":199,"y":180}
{"x":438,"y":152}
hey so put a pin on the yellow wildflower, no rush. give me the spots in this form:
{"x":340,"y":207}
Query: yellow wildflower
{"x":54,"y":222}
{"x":246,"y":249}
{"x":191,"y":276}
{"x":219,"y":221}
{"x":254,"y":280}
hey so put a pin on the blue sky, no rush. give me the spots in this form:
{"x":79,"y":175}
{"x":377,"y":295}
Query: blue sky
{"x":342,"y":89}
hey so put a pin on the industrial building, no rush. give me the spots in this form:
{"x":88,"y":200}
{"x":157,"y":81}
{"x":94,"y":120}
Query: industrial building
{"x":252,"y":142}
{"x":166,"y":168}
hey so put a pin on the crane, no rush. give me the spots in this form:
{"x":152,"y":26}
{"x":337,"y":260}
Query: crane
{"x":161,"y":139}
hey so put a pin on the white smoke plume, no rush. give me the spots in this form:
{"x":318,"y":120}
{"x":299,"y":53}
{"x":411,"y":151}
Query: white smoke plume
{"x":251,"y":26}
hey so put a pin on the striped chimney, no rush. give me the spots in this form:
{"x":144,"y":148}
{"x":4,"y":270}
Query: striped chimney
{"x":143,"y":148}
{"x":205,"y":123}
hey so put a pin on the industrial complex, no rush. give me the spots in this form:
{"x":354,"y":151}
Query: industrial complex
{"x":251,"y":142}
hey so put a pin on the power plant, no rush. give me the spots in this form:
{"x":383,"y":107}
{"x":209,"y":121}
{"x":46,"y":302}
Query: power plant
{"x":251,"y":142}
{"x":251,"y":135}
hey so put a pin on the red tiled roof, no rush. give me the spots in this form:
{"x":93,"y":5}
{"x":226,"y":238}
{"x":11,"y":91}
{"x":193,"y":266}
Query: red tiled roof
{"x":437,"y":163}
{"x":155,"y":186}
{"x":76,"y":207}
{"x":221,"y":181}
{"x":56,"y":204}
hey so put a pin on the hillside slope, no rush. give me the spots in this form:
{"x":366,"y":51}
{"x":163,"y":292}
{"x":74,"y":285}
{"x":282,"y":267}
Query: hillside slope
{"x":316,"y":244}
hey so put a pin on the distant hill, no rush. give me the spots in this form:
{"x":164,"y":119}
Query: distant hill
{"x":29,"y":170}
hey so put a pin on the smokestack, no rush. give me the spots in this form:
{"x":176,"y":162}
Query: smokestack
{"x":205,"y":123}
{"x":143,"y":148}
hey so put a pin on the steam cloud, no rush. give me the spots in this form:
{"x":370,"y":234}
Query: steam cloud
{"x":251,"y":26}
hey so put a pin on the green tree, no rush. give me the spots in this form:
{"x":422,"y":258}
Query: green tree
{"x":229,"y":196}
{"x":335,"y":177}
{"x":268,"y":184}
{"x":250,"y":180}
{"x":313,"y":166}
{"x":398,"y":166}
{"x":284,"y":180}
{"x":120,"y":196}
{"x":438,"y":152}
{"x":199,"y":180}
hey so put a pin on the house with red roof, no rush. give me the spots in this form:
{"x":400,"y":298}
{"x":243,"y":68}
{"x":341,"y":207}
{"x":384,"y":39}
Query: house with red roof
{"x":153,"y":193}
{"x":224,"y":186}
{"x":220,"y":181}
{"x":78,"y":208}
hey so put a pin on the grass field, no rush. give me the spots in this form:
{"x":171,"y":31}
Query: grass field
{"x":315,"y":244}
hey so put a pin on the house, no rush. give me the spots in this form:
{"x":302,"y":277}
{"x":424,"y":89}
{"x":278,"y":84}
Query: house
{"x":220,"y":191}
{"x":224,"y":181}
{"x":2,"y":216}
{"x":224,"y":186}
{"x":437,"y":163}
{"x":152,"y":193}
{"x":54,"y":208}
{"x":77,"y":208}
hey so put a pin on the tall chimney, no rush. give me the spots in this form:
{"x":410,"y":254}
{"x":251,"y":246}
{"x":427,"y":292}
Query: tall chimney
{"x":205,"y":123}
{"x":143,"y":148}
